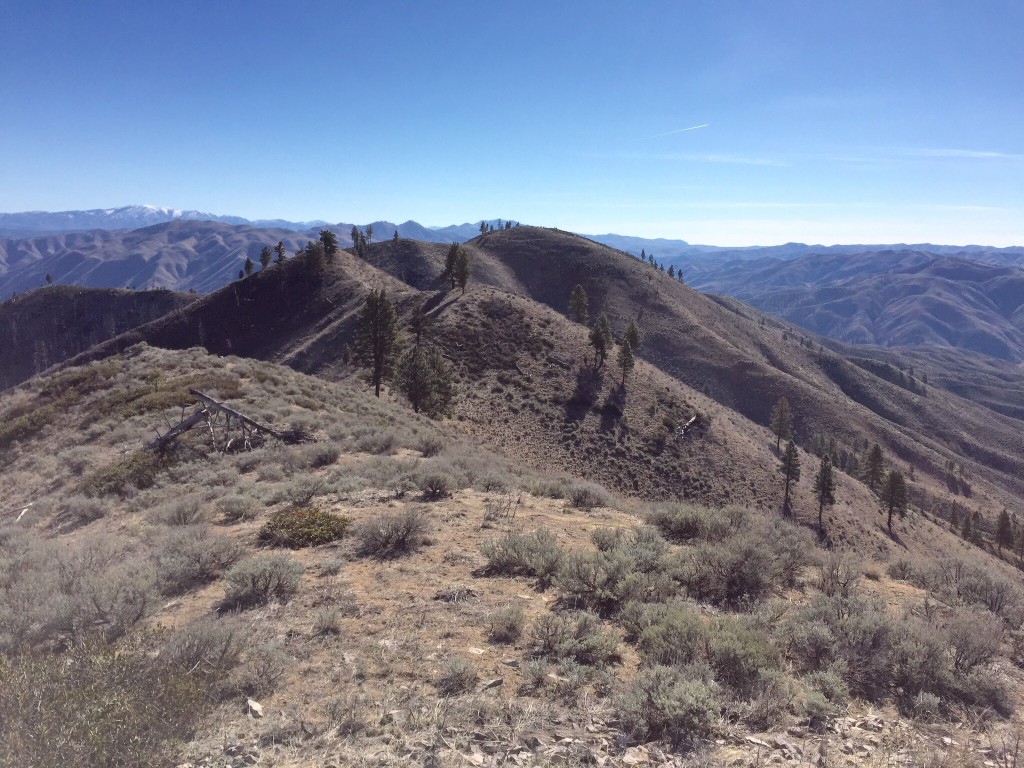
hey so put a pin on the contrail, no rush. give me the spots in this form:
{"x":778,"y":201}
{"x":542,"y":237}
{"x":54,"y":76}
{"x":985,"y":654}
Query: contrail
{"x":681,"y":130}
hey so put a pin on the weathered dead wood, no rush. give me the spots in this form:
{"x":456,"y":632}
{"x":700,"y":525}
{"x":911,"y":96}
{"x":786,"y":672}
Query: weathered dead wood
{"x":212,"y":404}
{"x":208,"y":411}
{"x":184,"y":426}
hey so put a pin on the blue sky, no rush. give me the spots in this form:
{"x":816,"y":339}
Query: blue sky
{"x":823,"y":121}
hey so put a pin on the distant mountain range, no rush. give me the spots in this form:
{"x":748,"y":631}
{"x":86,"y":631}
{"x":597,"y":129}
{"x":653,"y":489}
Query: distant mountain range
{"x":35,"y":223}
{"x":886,"y":298}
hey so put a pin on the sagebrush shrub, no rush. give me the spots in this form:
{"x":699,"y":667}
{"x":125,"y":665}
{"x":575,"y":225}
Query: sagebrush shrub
{"x":506,"y":625}
{"x":192,"y":556}
{"x":436,"y":485}
{"x":457,"y":676}
{"x":587,"y":496}
{"x":391,"y":535}
{"x":237,"y":508}
{"x":580,"y":638}
{"x":260,"y":579}
{"x":534,"y":554}
{"x":663,"y":704}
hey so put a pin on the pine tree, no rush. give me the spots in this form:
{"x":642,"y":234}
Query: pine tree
{"x":579,"y":306}
{"x":824,"y":487}
{"x":395,"y":238}
{"x":450,"y":260}
{"x":279,"y":250}
{"x":643,"y":255}
{"x":671,"y":270}
{"x":49,"y":279}
{"x":626,"y":360}
{"x":329,"y":241}
{"x":781,"y":422}
{"x":265,"y":256}
{"x":248,"y":267}
{"x":1004,"y":531}
{"x":420,"y":324}
{"x":894,"y":496}
{"x":967,"y":530}
{"x":463,"y":269}
{"x":377,"y":339}
{"x":369,"y":233}
{"x":601,"y":340}
{"x":874,"y":468}
{"x":790,"y":469}
{"x":632,"y":335}
{"x":425,"y":377}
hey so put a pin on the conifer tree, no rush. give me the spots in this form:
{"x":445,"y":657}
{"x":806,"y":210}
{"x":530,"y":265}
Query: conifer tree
{"x":671,"y":270}
{"x":967,"y":530}
{"x":425,"y":377}
{"x":781,"y":422}
{"x":790,"y":469}
{"x":824,"y":487}
{"x":329,"y":241}
{"x":632,"y":335}
{"x":248,"y":267}
{"x":894,"y":496}
{"x":369,"y":233}
{"x":463,"y":268}
{"x":377,"y":339}
{"x":579,"y":306}
{"x":626,"y":360}
{"x":450,"y":259}
{"x":874,"y":468}
{"x":279,"y":250}
{"x":265,"y":257}
{"x":601,"y":340}
{"x":1004,"y":531}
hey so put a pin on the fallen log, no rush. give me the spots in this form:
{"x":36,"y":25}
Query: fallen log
{"x":207,"y":413}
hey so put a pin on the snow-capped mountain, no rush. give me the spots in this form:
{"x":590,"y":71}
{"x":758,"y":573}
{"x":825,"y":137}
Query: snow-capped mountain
{"x":128,"y":217}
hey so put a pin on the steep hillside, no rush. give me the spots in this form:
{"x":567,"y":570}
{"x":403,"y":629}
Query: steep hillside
{"x":718,"y":353}
{"x":48,"y":325}
{"x":905,"y":298}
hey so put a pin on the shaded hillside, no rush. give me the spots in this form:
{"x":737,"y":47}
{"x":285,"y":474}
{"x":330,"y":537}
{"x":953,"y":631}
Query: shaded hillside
{"x":48,"y":325}
{"x":888,"y":299}
{"x":725,"y":351}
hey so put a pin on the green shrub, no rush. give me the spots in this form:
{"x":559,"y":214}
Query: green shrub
{"x":663,"y":704}
{"x":137,"y":471}
{"x":391,"y":535}
{"x":303,"y":527}
{"x":258,"y":580}
{"x":458,"y":676}
{"x":534,"y":554}
{"x":506,"y":625}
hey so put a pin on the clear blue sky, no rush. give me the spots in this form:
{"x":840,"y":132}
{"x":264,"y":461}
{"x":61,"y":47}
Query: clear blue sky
{"x":824,"y":120}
